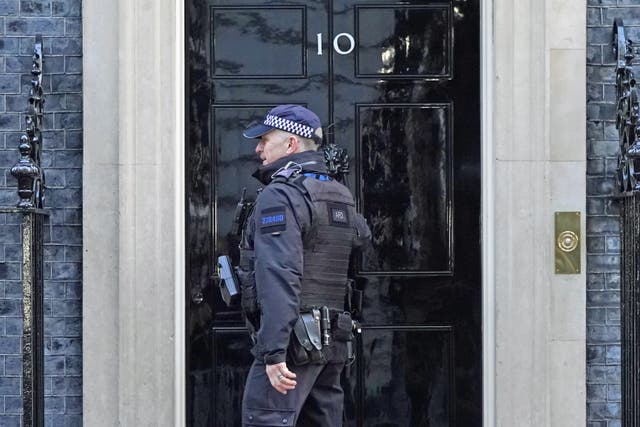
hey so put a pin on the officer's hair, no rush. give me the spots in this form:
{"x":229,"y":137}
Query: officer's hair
{"x":308,"y":144}
{"x":311,"y":143}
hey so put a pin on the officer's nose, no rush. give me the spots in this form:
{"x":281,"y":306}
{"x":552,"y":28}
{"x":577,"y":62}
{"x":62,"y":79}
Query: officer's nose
{"x":259,"y":147}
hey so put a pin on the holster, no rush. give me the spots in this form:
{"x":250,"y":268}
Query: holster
{"x":305,"y":345}
{"x":249,"y":299}
{"x":353,"y":298}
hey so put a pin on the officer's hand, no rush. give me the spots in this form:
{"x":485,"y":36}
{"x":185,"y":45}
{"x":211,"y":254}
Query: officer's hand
{"x":282,"y":379}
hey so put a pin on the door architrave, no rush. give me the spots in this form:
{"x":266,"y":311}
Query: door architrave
{"x":94,"y":120}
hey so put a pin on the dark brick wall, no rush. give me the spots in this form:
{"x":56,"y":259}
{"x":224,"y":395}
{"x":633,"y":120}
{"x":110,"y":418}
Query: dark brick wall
{"x":603,"y":241}
{"x":59,"y":22}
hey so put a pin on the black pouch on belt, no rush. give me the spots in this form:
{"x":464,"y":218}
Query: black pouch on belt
{"x":305,"y":345}
{"x":343,"y":327}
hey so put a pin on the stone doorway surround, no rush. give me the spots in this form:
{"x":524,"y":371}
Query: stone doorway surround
{"x":540,"y":168}
{"x":534,"y":97}
{"x":133,"y":241}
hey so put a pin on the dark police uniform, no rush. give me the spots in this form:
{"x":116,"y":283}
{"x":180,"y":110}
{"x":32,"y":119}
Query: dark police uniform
{"x":299,"y":237}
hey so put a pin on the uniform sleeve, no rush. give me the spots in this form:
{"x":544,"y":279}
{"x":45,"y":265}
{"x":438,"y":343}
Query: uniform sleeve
{"x":363,"y":233}
{"x":281,"y":216}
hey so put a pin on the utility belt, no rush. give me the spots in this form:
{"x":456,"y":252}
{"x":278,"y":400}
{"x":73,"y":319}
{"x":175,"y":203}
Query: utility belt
{"x":249,"y":297}
{"x":315,"y":330}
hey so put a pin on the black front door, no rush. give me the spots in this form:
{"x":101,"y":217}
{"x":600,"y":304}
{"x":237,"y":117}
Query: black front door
{"x":397,"y":84}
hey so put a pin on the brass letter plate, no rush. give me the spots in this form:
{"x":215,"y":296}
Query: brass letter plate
{"x":567,"y":242}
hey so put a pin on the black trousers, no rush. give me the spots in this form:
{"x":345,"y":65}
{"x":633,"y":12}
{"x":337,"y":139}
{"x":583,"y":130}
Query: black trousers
{"x":317,"y":400}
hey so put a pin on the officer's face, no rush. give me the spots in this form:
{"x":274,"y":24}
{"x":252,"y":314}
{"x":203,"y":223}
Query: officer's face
{"x":273,"y":146}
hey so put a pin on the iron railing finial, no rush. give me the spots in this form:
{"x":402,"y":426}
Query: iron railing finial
{"x":28,"y":170}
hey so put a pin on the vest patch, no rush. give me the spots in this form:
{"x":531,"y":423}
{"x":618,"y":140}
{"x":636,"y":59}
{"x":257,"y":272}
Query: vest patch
{"x":273,"y":220}
{"x":338,"y":214}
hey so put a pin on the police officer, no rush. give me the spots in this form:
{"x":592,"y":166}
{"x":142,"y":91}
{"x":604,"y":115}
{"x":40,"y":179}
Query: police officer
{"x":299,"y":238}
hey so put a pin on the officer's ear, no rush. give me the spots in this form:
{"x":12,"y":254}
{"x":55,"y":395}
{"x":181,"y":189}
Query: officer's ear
{"x":293,"y":145}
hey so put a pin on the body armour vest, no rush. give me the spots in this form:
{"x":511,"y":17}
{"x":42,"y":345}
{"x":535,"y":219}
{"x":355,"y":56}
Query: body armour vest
{"x":327,"y":244}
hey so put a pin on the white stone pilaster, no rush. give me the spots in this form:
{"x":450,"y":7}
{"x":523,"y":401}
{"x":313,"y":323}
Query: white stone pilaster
{"x":100,"y":308}
{"x":540,"y":118}
{"x":131,"y":224}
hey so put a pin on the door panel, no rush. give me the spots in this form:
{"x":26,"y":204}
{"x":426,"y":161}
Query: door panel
{"x":397,"y":84}
{"x":401,"y":389}
{"x":231,"y":362}
{"x":417,"y":45}
{"x":246,"y":38}
{"x":404,"y":155}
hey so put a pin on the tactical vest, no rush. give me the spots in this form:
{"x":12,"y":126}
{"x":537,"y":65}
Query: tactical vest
{"x":327,"y":243}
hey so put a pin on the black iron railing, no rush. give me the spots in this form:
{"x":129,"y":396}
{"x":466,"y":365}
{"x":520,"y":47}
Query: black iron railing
{"x":628,"y":186}
{"x":30,"y":176}
{"x":628,"y":112}
{"x":629,"y":306}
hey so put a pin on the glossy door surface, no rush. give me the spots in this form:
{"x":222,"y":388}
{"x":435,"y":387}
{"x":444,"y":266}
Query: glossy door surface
{"x":398,"y":85}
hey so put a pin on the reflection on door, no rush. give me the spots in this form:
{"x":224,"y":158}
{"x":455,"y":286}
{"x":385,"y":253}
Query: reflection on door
{"x":397,"y":85}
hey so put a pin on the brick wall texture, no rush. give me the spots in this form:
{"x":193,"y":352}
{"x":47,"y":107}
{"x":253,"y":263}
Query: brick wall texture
{"x":603,"y":228}
{"x":59,"y":22}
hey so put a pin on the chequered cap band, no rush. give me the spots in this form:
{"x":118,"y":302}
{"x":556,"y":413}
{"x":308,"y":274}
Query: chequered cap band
{"x":288,"y":126}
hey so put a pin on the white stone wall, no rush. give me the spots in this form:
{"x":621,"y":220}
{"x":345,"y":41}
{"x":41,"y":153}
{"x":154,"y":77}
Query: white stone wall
{"x":540,"y":169}
{"x":133,"y":202}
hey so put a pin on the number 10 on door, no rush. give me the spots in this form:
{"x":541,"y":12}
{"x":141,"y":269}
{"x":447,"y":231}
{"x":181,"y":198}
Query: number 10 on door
{"x":336,"y":43}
